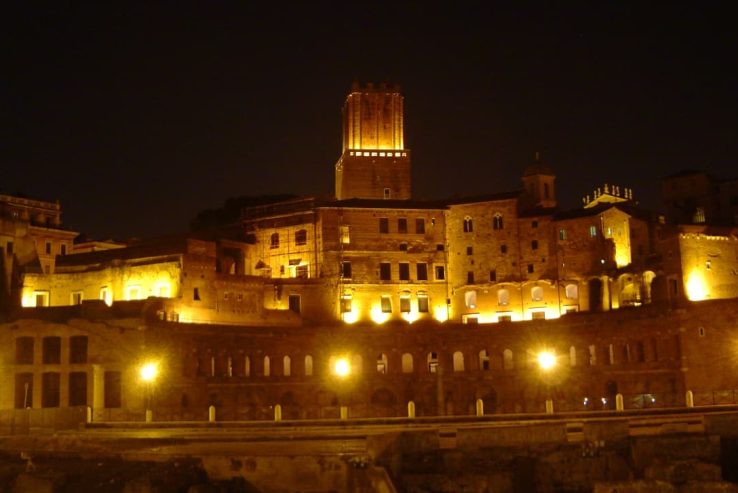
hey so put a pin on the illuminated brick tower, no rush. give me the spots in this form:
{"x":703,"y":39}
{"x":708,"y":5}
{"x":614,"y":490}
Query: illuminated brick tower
{"x":374,"y":163}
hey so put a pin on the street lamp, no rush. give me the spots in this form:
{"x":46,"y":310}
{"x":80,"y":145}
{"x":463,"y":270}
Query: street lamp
{"x":148,"y":372}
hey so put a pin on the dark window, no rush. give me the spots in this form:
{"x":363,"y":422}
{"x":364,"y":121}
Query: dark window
{"x":346,"y":270}
{"x":493,"y":276}
{"x":422,"y":271}
{"x":402,"y":225}
{"x":534,"y":224}
{"x":63,"y":250}
{"x":24,"y":351}
{"x":468,"y":225}
{"x":420,"y":225}
{"x":386,"y":304}
{"x":404,"y":271}
{"x":196,"y":294}
{"x":50,"y":386}
{"x":470,"y":277}
{"x":497,"y":222}
{"x":404,"y":304}
{"x":51,"y":350}
{"x":23,"y":390}
{"x":503,"y":249}
{"x":403,"y":247}
{"x":48,"y":248}
{"x":383,"y":225}
{"x":385,"y":271}
{"x":112,"y":389}
{"x":440,"y":273}
{"x":301,"y":237}
{"x":9,"y":248}
{"x":294,"y":302}
{"x":469,"y":250}
{"x":440,"y":247}
{"x":78,"y":349}
{"x":78,"y":388}
{"x":422,"y":304}
{"x":530,"y":268}
{"x":274,"y":240}
{"x":534,"y":245}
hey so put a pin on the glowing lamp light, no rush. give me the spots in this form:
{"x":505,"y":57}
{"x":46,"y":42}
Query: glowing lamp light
{"x":342,"y":368}
{"x":350,"y":317}
{"x":149,"y":372}
{"x":440,"y":313}
{"x":696,"y":289}
{"x":377,"y":315}
{"x":546,"y":360}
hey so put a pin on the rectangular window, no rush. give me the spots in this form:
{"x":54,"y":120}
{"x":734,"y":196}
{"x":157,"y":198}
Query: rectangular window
{"x":196,"y":294}
{"x":440,"y":247}
{"x":405,"y":304}
{"x":63,"y":249}
{"x":470,"y":277}
{"x":294,"y":302}
{"x":421,"y":271}
{"x":112,"y":389}
{"x":420,"y":226}
{"x":534,"y":224}
{"x":51,"y":350}
{"x":77,"y":298}
{"x":345,"y":234}
{"x":24,"y":351}
{"x":48,"y":248}
{"x":404,"y":271}
{"x":78,"y":388}
{"x":301,"y":271}
{"x":493,"y":276}
{"x":23,"y":390}
{"x":346,"y":270}
{"x":50,"y":389}
{"x":534,"y":245}
{"x":386,"y":304}
{"x":440,"y":272}
{"x":387,"y":191}
{"x":562,"y":234}
{"x":422,"y":303}
{"x":385,"y":271}
{"x":383,"y":225}
{"x":593,"y":231}
{"x":530,"y":269}
{"x":346,"y":304}
{"x":9,"y":248}
{"x":78,"y":350}
{"x":402,"y":225}
{"x":470,"y":250}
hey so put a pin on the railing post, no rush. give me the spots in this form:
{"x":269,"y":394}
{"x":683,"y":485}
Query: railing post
{"x":480,"y":407}
{"x":211,"y":414}
{"x":277,"y":413}
{"x":619,"y":405}
{"x":410,"y":409}
{"x":690,"y":399}
{"x":549,"y":406}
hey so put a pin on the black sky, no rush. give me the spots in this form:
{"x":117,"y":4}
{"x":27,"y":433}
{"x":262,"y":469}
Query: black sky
{"x":137,"y":116}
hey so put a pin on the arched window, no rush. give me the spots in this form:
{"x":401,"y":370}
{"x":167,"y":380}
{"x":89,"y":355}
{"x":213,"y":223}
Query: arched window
{"x":274,"y":240}
{"x":468,"y":225}
{"x":382,"y":363}
{"x":483,"y":360}
{"x":267,"y":366}
{"x":458,"y":361}
{"x":308,"y":366}
{"x":470,"y":298}
{"x":536,"y":293}
{"x":507,"y":359}
{"x":572,"y":356}
{"x":286,"y":366}
{"x":301,"y":237}
{"x":432,"y":362}
{"x":497,"y":221}
{"x":407,"y":363}
{"x":503,"y":297}
{"x":247,"y":367}
{"x":572,"y":291}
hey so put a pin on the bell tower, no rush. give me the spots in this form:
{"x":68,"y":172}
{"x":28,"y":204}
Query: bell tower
{"x":374,"y":163}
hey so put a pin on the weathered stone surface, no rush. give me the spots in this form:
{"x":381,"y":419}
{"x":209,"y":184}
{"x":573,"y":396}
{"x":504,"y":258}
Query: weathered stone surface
{"x":640,"y":486}
{"x":31,"y":483}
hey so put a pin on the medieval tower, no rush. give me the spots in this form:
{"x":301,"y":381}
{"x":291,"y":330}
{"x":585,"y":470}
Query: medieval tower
{"x":374,"y":163}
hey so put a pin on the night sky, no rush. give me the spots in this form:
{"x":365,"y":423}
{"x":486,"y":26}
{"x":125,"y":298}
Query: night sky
{"x":138,"y":117}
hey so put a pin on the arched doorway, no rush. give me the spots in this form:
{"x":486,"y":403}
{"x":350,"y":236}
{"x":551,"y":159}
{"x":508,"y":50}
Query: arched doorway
{"x":595,"y":295}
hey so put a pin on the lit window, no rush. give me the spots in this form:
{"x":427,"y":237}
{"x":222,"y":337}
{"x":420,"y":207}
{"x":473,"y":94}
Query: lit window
{"x":572,"y":291}
{"x":468,"y":225}
{"x":432,"y":362}
{"x":345,"y":235}
{"x":593,"y":231}
{"x":346,"y":300}
{"x":382,"y":363}
{"x":536,"y":293}
{"x":407,"y":363}
{"x":386,"y":302}
{"x":503,"y":297}
{"x":562,"y":234}
{"x":274,"y":240}
{"x":470,"y":299}
{"x":405,"y":304}
{"x":422,"y":303}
